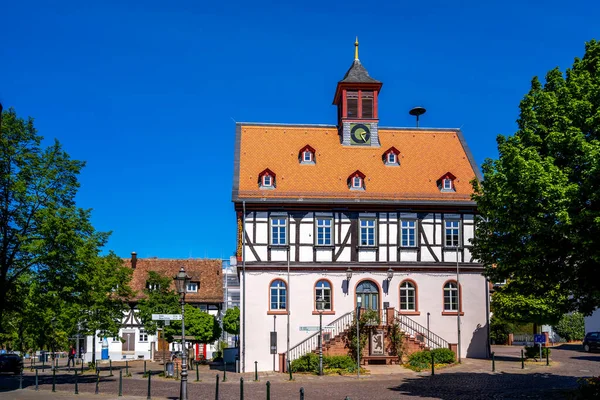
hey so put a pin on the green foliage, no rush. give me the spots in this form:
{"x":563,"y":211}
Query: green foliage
{"x":534,"y":352}
{"x":509,"y":304}
{"x":203,"y":326}
{"x":331,"y":364}
{"x":231,"y":321}
{"x":589,"y":388}
{"x":340,"y":362}
{"x":421,"y":360}
{"x":396,"y":337}
{"x":369,"y":319}
{"x":499,"y":330}
{"x":571,"y":327}
{"x":539,"y":201}
{"x":307,"y":363}
{"x":161,"y":300}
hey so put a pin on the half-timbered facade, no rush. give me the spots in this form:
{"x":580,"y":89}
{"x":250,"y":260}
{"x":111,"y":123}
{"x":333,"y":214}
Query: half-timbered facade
{"x":204,"y":291}
{"x":355,"y":211}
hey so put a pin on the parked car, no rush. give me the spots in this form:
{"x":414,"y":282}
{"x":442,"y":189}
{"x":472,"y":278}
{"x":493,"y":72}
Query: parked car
{"x":591,"y":341}
{"x":11,"y":363}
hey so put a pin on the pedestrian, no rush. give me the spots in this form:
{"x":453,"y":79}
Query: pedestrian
{"x":71,"y":357}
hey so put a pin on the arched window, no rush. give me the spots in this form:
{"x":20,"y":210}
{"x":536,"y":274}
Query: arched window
{"x":323,"y":290}
{"x":451,"y":297}
{"x":278,"y":295}
{"x":408,"y":296}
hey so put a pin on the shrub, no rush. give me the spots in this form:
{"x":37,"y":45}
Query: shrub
{"x":571,"y":327}
{"x":589,"y":388}
{"x":499,"y":330}
{"x":307,"y":363}
{"x":534,"y":352}
{"x":443,"y":356}
{"x":342,"y":362}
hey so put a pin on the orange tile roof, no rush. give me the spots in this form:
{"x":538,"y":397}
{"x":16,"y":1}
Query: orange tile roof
{"x":425,"y":155}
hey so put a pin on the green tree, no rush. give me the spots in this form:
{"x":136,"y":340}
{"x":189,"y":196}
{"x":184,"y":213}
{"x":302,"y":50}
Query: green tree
{"x":158,"y":298}
{"x":199,"y":324}
{"x":41,"y":229}
{"x":571,"y":327}
{"x":540,"y":200}
{"x":508,"y":305}
{"x":231,"y":321}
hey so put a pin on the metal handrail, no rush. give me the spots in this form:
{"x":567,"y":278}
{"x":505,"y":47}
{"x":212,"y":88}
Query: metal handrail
{"x":420,"y":332}
{"x":311,"y":343}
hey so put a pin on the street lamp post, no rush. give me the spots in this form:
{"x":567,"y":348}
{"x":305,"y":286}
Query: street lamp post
{"x":181,"y":281}
{"x":320,"y":306}
{"x":358,"y":302}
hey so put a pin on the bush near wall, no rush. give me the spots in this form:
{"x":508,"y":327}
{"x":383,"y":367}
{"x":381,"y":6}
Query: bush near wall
{"x":534,"y":352}
{"x":422,"y":359}
{"x":331,"y":364}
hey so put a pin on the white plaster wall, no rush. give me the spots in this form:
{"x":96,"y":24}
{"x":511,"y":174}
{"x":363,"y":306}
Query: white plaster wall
{"x":592,"y":323}
{"x":367,"y":255}
{"x":301,"y":306}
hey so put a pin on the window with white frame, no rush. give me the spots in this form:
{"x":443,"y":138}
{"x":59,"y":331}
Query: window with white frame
{"x":357,"y":182}
{"x":152,"y":286}
{"x":391,"y":158}
{"x":278,"y":295}
{"x":447,"y":184}
{"x":323,"y":291}
{"x":324,"y":231}
{"x":307,"y":156}
{"x":278,"y":231}
{"x":143,"y":335}
{"x":116,"y":339}
{"x":408,"y":233}
{"x":267,"y":181}
{"x":407,"y":296}
{"x":367,"y":232}
{"x":192,"y":287}
{"x":451,"y":296}
{"x":452,"y":233}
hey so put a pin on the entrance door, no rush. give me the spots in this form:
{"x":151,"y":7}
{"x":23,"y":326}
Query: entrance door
{"x":128,"y":341}
{"x":368,"y":293}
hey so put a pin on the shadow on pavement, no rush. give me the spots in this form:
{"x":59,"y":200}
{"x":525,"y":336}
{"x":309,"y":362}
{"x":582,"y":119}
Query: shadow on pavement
{"x":462,"y":385}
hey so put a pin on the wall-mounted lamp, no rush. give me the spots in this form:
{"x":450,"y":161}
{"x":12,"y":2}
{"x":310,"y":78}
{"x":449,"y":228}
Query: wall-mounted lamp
{"x":349,"y":274}
{"x":390,"y":274}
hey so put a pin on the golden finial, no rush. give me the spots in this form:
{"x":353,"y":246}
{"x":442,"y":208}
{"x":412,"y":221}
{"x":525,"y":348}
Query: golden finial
{"x":356,"y":49}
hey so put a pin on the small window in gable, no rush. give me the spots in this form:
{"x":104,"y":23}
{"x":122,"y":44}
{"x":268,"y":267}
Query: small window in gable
{"x":446,"y":182}
{"x":306,"y":155}
{"x":390,"y":157}
{"x":266,"y":179}
{"x":356,"y":181}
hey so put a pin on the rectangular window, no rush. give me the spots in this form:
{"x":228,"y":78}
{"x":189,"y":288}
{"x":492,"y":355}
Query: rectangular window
{"x":450,"y":297}
{"x":143,"y":336}
{"x":367,"y":232}
{"x":267,"y":181}
{"x":279,"y":231}
{"x":307,"y":156}
{"x":408,"y":233}
{"x":367,"y":104}
{"x":352,"y":102}
{"x":452,"y":233}
{"x":324,"y":231}
{"x":192,"y":287}
{"x":152,"y":286}
{"x":447,"y":184}
{"x":391,"y":158}
{"x":357,"y":182}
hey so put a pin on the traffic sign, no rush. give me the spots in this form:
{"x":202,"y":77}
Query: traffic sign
{"x":539,"y":339}
{"x":166,"y":317}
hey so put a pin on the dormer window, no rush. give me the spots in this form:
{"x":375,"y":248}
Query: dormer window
{"x":390,"y":157}
{"x":266,"y":179}
{"x":306,"y":155}
{"x":446,"y":182}
{"x":356,"y":181}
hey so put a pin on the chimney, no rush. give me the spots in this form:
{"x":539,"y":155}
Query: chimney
{"x":133,"y":259}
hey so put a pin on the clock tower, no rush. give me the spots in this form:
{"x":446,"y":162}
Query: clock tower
{"x":356,"y":100}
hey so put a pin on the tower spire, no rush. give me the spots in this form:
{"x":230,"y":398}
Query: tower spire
{"x":356,"y":49}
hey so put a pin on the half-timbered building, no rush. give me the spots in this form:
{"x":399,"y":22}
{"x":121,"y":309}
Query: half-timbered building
{"x":355,"y":212}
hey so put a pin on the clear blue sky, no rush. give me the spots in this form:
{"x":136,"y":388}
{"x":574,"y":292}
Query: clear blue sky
{"x":147,"y":92}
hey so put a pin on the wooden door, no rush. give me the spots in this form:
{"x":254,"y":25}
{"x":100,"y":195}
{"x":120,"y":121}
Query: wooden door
{"x":128,"y":341}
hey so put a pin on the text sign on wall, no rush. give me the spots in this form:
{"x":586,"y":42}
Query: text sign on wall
{"x":166,"y":317}
{"x":308,"y":328}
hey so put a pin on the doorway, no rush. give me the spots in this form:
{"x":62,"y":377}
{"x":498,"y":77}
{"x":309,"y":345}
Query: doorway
{"x":368,"y":293}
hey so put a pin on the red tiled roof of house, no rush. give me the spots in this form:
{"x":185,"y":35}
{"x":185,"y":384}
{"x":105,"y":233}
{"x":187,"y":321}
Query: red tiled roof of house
{"x":425,"y":155}
{"x":207,"y":272}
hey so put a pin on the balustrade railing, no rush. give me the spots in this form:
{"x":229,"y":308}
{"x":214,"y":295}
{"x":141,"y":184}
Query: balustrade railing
{"x":311,"y":343}
{"x":420,"y":332}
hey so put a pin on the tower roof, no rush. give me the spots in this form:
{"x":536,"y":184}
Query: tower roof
{"x":358,"y":74}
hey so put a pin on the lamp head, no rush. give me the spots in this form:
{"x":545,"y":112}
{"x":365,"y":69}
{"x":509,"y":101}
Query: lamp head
{"x":349,"y":273}
{"x":181,"y":280}
{"x":390,"y":274}
{"x":320,"y":304}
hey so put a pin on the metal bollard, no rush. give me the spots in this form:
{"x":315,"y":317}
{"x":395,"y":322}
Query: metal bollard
{"x":255,"y":371}
{"x":177,"y":371}
{"x":225,"y":372}
{"x":76,"y":383}
{"x":241,"y":388}
{"x":110,"y":367}
{"x":547,"y":356}
{"x":54,"y":380}
{"x":126,"y":368}
{"x":217,"y":388}
{"x":432,"y":365}
{"x":144,"y":367}
{"x":97,"y":382}
{"x":82,"y":366}
{"x":43,"y":363}
{"x":197,"y":374}
{"x":290,"y":371}
{"x":36,"y":380}
{"x":301,"y":393}
{"x":522,"y":360}
{"x":120,"y":383}
{"x":21,"y":380}
{"x":493,"y":362}
{"x":268,"y":390}
{"x":149,"y":385}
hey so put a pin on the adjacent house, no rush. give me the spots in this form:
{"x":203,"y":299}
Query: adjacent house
{"x":204,"y":291}
{"x":355,"y":213}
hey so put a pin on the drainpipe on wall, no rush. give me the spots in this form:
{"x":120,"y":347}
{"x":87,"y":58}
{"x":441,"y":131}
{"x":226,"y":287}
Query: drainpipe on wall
{"x":244,"y":286}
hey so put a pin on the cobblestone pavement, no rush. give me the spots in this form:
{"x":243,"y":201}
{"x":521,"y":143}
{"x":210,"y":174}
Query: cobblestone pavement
{"x":473,"y":379}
